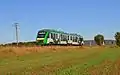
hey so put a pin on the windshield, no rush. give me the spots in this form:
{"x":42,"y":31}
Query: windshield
{"x":41,"y":36}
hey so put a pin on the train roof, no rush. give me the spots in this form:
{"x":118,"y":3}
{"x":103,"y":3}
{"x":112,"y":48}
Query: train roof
{"x":56,"y":31}
{"x":52,"y":30}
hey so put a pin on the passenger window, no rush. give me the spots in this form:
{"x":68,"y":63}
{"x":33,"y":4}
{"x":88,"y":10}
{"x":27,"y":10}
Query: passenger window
{"x":76,"y":39}
{"x":51,"y":35}
{"x":56,"y":36}
{"x":68,"y":37}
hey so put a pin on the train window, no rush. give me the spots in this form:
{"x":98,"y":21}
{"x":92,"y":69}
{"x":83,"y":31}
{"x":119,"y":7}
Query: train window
{"x":56,"y":36}
{"x":41,"y":36}
{"x":64,"y":38}
{"x":51,"y":35}
{"x":61,"y":37}
{"x":76,"y":39}
{"x":73,"y":39}
{"x":68,"y":37}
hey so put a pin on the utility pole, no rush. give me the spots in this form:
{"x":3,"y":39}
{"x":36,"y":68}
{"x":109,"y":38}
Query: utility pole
{"x":17,"y":37}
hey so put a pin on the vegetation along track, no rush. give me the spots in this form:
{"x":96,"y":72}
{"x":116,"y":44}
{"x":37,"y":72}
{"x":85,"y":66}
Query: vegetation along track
{"x":62,"y":61}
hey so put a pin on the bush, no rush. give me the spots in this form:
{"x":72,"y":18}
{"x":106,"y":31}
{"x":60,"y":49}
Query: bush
{"x":99,"y":39}
{"x":117,"y":37}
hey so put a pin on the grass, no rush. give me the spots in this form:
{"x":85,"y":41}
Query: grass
{"x":56,"y":60}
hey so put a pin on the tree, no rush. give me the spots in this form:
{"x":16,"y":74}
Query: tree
{"x":81,"y":41}
{"x":99,"y":39}
{"x":117,"y":38}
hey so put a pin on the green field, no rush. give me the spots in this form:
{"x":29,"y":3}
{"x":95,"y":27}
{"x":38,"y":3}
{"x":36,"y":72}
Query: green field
{"x":75,"y":61}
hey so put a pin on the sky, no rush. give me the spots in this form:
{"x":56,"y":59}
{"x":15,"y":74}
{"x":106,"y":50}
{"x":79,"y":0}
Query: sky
{"x":85,"y":17}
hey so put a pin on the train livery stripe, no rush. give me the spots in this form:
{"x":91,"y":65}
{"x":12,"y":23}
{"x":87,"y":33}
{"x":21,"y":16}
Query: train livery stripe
{"x":45,"y":40}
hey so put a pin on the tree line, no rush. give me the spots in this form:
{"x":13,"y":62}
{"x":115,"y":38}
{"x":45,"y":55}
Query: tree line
{"x":99,"y":39}
{"x":32,"y":43}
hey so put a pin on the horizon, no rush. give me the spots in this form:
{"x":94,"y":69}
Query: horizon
{"x":87,"y":18}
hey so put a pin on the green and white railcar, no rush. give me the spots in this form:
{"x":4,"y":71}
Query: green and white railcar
{"x":49,"y":36}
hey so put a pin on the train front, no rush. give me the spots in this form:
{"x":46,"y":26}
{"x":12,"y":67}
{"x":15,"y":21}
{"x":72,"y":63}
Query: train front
{"x":41,"y":38}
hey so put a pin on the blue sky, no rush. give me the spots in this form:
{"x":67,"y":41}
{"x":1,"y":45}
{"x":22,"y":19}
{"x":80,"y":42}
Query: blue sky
{"x":86,"y":17}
